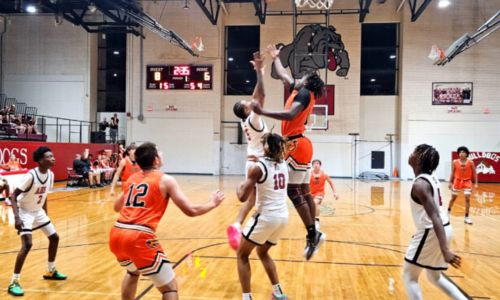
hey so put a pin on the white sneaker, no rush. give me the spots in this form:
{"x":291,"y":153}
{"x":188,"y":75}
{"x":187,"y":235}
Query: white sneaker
{"x":468,"y":220}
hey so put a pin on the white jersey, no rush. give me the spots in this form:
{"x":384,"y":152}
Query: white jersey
{"x":254,"y":128}
{"x":35,"y":187}
{"x":271,"y":188}
{"x":420,"y":217}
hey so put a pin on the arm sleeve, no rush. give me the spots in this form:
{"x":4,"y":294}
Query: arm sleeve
{"x":303,"y":97}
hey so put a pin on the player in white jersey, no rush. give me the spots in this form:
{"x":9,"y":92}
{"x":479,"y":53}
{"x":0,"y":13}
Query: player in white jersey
{"x":430,"y":246}
{"x":29,"y":205}
{"x":254,"y":128}
{"x":264,"y":229}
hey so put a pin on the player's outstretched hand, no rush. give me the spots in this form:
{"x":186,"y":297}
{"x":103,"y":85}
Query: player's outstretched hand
{"x":256,"y":107}
{"x":336,"y":196}
{"x":273,"y":51}
{"x":257,"y":62}
{"x":217,"y":197}
{"x":452,"y":259}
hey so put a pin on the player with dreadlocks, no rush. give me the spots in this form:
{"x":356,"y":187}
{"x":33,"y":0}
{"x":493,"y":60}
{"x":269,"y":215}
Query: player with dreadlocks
{"x":430,"y":246}
{"x":299,"y":150}
{"x":270,"y":177}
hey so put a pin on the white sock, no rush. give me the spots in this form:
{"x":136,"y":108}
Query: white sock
{"x":237,"y":225}
{"x":247,"y":296}
{"x":51,"y":266}
{"x":15,"y":276}
{"x":445,"y":285}
{"x":277,"y":289}
{"x":316,"y":223}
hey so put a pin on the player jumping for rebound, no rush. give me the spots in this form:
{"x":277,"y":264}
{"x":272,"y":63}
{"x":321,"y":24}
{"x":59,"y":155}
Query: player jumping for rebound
{"x":132,"y":239}
{"x":254,"y":128}
{"x":299,"y":150}
{"x":430,"y":246}
{"x":29,"y":205}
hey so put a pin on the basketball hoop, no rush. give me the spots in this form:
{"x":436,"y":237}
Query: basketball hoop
{"x":317,"y":4}
{"x":198,"y":44}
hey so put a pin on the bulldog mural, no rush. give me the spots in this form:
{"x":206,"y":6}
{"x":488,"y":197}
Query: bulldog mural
{"x":307,"y":48}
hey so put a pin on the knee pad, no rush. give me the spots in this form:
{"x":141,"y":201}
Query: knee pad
{"x":295,"y":195}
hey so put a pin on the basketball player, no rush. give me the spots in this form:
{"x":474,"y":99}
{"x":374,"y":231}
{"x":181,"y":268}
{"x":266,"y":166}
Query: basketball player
{"x":264,"y":229}
{"x":254,"y":128}
{"x":317,"y":183}
{"x":132,"y":239}
{"x":462,"y":171}
{"x":430,"y":246}
{"x":126,"y":167}
{"x":29,"y":205}
{"x":299,"y":150}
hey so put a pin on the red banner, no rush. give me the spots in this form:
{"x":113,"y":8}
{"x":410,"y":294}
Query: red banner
{"x":487,"y":165}
{"x":63,"y":152}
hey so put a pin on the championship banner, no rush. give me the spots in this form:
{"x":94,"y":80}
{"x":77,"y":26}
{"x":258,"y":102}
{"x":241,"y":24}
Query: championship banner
{"x":63,"y":152}
{"x":487,"y":165}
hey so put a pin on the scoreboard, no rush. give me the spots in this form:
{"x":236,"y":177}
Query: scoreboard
{"x":179,"y":77}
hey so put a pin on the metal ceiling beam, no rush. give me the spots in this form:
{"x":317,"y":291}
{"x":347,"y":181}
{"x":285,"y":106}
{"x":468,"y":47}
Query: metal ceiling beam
{"x":260,"y":10}
{"x":416,"y":12}
{"x":211,"y":13}
{"x":364,"y":7}
{"x":347,"y":11}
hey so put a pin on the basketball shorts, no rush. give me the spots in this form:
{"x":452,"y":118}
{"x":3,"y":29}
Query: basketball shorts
{"x":262,"y":229}
{"x":424,"y":250}
{"x":298,"y":155}
{"x":465,"y":185}
{"x":318,"y":197}
{"x":137,"y":249}
{"x":33,"y":220}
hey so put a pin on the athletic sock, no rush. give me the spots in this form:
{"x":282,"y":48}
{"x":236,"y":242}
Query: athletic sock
{"x":237,"y":225}
{"x":277,"y":289}
{"x":316,"y":223}
{"x":311,"y":232}
{"x":51,"y":266}
{"x":466,"y":215}
{"x":15,"y":276}
{"x":247,"y":296}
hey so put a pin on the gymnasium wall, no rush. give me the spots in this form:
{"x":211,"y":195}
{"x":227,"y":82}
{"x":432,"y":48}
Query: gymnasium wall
{"x":49,"y":67}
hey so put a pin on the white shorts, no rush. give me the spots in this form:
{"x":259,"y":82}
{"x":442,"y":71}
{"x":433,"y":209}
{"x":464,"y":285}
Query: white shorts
{"x":299,"y":177}
{"x":33,"y":220}
{"x":261,"y":229}
{"x":457,"y":191}
{"x":424,"y":250}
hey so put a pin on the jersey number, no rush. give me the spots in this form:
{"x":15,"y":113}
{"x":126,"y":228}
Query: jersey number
{"x":279,"y":181}
{"x":136,"y":192}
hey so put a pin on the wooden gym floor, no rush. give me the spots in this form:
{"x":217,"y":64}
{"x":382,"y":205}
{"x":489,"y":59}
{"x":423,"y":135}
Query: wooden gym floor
{"x":368,"y":229}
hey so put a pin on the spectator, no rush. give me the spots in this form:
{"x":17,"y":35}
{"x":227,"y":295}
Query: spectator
{"x":103,"y":125}
{"x":13,"y":163}
{"x":82,"y":166}
{"x":113,"y":128}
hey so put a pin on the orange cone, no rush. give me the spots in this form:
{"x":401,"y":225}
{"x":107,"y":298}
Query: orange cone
{"x":395,"y":172}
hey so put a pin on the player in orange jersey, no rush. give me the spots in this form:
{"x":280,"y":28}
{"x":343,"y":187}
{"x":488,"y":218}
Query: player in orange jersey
{"x":317,"y":184}
{"x":127,"y":167}
{"x":299,"y":150}
{"x":462,"y":171}
{"x":132,"y":239}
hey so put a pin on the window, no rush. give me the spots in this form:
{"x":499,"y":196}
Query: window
{"x":241,"y":43}
{"x":379,"y":59}
{"x":111,"y":62}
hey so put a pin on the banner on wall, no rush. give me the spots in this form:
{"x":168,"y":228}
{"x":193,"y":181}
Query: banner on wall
{"x":63,"y":152}
{"x":487,"y":165}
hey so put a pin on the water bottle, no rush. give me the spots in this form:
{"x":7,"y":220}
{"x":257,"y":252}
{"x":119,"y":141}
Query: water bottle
{"x":391,"y":285}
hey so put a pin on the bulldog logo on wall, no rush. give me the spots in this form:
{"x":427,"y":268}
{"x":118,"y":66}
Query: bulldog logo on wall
{"x":307,"y":50}
{"x":485,"y":168}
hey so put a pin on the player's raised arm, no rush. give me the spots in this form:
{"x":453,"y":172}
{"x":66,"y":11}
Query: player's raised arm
{"x":258,"y":63}
{"x":170,"y":187}
{"x":246,"y":188}
{"x":282,"y":73}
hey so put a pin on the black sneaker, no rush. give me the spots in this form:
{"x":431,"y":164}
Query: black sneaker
{"x":313,"y":246}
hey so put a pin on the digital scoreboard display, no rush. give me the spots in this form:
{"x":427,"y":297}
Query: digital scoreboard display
{"x":179,"y":77}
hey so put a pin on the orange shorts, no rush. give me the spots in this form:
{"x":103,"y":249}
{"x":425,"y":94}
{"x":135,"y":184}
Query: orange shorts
{"x":137,"y":249}
{"x":299,"y":153}
{"x":459,"y":184}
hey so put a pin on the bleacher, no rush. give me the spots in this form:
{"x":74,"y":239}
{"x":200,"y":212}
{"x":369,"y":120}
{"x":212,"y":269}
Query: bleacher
{"x":8,"y":130}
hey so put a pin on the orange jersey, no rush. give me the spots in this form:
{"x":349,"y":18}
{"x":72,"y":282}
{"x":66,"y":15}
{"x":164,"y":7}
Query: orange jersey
{"x":317,"y":184}
{"x":297,"y":125}
{"x":144,"y":203}
{"x":462,"y":172}
{"x":129,"y":169}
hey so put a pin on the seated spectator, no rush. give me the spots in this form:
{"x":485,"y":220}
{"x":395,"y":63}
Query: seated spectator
{"x":4,"y":190}
{"x":13,"y":163}
{"x":82,"y":167}
{"x":106,"y":169}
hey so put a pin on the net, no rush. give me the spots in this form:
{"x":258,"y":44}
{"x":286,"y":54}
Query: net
{"x":317,"y":4}
{"x":318,"y":120}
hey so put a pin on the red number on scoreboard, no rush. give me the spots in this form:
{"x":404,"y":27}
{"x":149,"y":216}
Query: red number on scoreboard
{"x":181,"y":71}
